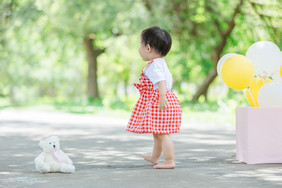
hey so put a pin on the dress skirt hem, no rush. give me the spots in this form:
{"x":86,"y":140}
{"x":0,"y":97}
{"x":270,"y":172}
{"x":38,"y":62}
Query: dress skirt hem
{"x":153,"y":132}
{"x":147,"y":118}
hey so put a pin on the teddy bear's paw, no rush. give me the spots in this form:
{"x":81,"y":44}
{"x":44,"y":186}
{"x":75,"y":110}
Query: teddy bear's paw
{"x":67,"y":168}
{"x":38,"y":166}
{"x":69,"y":161}
{"x":44,"y":168}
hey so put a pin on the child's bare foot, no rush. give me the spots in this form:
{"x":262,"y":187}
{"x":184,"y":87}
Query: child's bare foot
{"x":165,"y":165}
{"x":149,"y":159}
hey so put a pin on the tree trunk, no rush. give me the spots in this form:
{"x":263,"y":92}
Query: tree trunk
{"x":12,"y":97}
{"x":92,"y":54}
{"x":125,"y":87}
{"x":203,"y":90}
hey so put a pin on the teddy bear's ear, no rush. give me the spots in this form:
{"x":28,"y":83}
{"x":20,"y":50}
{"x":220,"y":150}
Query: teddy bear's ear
{"x":56,"y":138}
{"x":41,"y":143}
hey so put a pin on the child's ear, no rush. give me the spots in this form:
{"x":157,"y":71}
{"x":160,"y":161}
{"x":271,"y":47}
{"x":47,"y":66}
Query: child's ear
{"x":148,"y":48}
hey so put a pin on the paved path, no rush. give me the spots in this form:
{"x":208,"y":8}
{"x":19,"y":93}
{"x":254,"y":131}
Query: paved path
{"x":107,"y":156}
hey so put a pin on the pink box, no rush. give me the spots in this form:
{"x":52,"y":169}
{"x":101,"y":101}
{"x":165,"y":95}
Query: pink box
{"x":259,"y":134}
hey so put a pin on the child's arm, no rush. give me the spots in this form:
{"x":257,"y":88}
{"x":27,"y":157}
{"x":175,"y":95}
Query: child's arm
{"x":163,"y":104}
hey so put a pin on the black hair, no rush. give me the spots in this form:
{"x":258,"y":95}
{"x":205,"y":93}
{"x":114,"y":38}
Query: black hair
{"x":158,"y":38}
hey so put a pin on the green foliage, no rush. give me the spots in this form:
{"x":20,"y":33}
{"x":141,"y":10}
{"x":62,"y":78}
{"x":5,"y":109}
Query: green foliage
{"x":42,"y":59}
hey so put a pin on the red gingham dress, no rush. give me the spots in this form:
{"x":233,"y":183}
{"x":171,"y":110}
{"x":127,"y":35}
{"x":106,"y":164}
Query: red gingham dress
{"x":146,"y":116}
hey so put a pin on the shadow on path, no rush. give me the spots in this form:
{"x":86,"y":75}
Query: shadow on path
{"x":105,"y":155}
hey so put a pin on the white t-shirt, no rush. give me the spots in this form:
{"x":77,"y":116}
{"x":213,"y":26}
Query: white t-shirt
{"x":158,"y":71}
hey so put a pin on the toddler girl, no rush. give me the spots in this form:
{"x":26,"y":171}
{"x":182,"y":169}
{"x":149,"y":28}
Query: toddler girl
{"x":158,"y":110}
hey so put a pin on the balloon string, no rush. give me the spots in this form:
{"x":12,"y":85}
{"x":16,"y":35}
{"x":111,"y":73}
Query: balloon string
{"x":266,"y":76}
{"x":252,"y":97}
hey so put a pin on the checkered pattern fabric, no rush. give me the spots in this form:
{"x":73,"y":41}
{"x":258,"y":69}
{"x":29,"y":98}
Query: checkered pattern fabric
{"x":146,"y":116}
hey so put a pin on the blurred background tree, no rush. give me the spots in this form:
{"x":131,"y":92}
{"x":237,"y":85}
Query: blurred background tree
{"x":207,"y":29}
{"x":72,"y":51}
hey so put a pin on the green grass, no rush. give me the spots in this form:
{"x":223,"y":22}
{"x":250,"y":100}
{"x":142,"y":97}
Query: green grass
{"x":189,"y":116}
{"x":213,"y":113}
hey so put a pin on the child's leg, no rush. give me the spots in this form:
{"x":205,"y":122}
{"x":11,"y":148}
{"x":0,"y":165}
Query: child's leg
{"x":168,"y":151}
{"x":157,"y":150}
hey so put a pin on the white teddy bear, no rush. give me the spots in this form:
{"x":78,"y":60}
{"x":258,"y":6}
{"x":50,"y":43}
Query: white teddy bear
{"x":53,"y":159}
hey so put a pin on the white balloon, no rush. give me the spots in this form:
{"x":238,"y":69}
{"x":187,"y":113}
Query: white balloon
{"x":270,"y":95}
{"x":277,"y":77}
{"x":221,"y":60}
{"x":265,"y":56}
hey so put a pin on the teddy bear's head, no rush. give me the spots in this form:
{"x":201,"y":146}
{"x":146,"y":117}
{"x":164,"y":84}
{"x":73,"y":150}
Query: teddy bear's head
{"x":50,"y":144}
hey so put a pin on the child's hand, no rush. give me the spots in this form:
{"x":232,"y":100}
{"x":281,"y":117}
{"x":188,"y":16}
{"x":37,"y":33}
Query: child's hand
{"x":163,"y":104}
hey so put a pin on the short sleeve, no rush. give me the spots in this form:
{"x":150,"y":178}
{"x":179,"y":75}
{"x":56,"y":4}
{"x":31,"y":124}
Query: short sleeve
{"x":155,"y":72}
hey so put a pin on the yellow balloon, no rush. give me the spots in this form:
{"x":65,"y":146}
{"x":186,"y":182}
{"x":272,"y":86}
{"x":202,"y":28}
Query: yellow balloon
{"x":252,"y":92}
{"x":237,"y":72}
{"x":281,"y":70}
